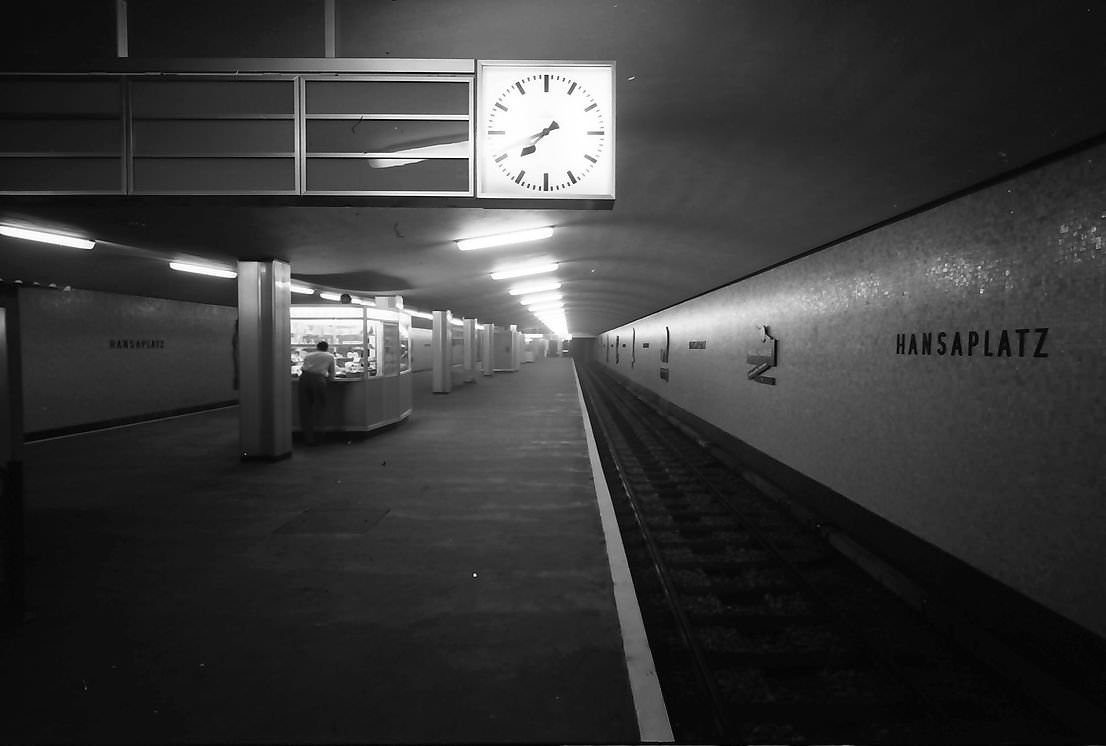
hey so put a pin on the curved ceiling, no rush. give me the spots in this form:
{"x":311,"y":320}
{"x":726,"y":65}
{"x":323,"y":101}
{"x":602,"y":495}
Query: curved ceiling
{"x":748,"y":133}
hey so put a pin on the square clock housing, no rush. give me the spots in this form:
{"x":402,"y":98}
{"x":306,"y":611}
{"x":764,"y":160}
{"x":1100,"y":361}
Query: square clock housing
{"x":545,"y":130}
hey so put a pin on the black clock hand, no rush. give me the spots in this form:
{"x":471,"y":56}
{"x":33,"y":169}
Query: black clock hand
{"x":536,"y":138}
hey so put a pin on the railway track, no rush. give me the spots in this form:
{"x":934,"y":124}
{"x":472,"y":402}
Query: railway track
{"x":762,"y":631}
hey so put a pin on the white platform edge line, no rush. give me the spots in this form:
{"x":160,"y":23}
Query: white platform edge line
{"x":652,"y":714}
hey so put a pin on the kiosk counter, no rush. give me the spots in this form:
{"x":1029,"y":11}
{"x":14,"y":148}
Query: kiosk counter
{"x":371,"y":346}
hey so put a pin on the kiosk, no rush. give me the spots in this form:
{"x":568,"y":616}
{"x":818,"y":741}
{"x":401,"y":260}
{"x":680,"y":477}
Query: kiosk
{"x":372,"y":350}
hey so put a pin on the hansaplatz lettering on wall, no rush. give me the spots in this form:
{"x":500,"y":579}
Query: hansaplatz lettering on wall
{"x":1026,"y":342}
{"x":136,"y":344}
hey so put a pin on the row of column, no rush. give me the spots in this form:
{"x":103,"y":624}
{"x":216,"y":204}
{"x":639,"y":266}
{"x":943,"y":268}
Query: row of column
{"x":471,"y":336}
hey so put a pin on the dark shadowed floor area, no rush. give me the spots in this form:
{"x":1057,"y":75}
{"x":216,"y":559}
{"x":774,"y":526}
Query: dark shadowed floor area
{"x":444,"y":580}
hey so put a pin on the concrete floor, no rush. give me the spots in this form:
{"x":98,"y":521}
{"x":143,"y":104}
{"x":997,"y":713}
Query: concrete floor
{"x":444,"y":580}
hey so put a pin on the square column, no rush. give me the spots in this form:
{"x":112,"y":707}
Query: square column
{"x":264,"y":337}
{"x":487,"y":349}
{"x":469,"y":365}
{"x":441,"y":350}
{"x":13,"y":602}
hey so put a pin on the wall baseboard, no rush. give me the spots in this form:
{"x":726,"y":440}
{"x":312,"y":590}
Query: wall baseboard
{"x":1056,"y":661}
{"x":89,"y":427}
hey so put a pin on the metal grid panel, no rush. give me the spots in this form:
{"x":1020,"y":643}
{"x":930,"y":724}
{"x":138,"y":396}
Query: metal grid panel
{"x":61,"y":135}
{"x":387,"y":135}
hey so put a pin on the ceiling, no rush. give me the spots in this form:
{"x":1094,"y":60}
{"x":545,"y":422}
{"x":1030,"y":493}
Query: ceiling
{"x":748,"y":132}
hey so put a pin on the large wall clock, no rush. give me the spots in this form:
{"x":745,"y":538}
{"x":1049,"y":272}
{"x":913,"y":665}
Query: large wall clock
{"x":545,"y":130}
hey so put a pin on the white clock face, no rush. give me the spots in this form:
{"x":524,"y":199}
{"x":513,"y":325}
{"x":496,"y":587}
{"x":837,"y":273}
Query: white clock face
{"x":547,"y":131}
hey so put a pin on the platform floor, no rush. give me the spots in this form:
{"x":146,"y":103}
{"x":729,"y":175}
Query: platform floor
{"x":441,"y":581}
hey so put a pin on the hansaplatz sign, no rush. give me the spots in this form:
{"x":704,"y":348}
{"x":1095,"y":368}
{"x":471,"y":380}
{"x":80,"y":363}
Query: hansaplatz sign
{"x":1027,"y":342}
{"x":136,"y":344}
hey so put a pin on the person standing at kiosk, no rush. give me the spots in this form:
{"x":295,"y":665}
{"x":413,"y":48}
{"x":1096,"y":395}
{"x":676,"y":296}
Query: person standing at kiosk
{"x":318,"y":368}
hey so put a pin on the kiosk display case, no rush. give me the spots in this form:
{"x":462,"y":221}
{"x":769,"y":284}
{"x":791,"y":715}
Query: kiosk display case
{"x":372,"y":362}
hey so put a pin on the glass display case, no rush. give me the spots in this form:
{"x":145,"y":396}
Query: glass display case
{"x":352,"y":339}
{"x":373,"y":372}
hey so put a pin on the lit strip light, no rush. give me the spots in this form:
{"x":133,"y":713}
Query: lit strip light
{"x":544,"y":307}
{"x":533,"y":300}
{"x":41,"y":237}
{"x":202,"y":269}
{"x":301,"y":289}
{"x":522,"y":270}
{"x":502,"y":239}
{"x":556,"y":323}
{"x":534,"y":287}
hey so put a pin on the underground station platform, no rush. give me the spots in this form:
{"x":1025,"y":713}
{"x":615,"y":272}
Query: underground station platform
{"x":442,"y":580}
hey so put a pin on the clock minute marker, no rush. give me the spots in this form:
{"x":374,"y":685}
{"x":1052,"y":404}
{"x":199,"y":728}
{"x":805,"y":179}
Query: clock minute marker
{"x":521,"y":90}
{"x":501,"y":106}
{"x":590,"y":158}
{"x":545,"y":182}
{"x":518,"y":179}
{"x":589,"y":108}
{"x":571,"y":88}
{"x":546,"y":83}
{"x":500,"y":158}
{"x":571,"y":177}
{"x":596,"y":132}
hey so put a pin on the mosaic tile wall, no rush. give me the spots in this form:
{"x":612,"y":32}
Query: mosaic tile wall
{"x":947,"y":372}
{"x":92,"y":357}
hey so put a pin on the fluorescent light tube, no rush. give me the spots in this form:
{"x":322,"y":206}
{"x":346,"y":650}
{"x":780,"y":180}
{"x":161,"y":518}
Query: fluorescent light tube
{"x":301,"y":289}
{"x":202,"y":269}
{"x":420,"y":314}
{"x":502,"y":239}
{"x":40,"y":236}
{"x":534,"y":287}
{"x":531,"y":300}
{"x":545,"y":307}
{"x":522,"y":270}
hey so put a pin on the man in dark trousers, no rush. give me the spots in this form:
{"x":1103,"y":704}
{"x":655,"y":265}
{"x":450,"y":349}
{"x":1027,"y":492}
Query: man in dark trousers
{"x":318,"y":368}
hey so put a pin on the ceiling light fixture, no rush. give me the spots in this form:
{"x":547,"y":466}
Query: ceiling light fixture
{"x":545,"y":307}
{"x":327,"y":295}
{"x":531,"y":300}
{"x":42,"y":237}
{"x":301,"y":289}
{"x":534,"y":287}
{"x":202,"y":269}
{"x":522,"y":270}
{"x":502,"y":239}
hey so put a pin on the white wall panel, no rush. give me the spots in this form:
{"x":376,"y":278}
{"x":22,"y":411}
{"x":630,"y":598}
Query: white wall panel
{"x":174,"y":355}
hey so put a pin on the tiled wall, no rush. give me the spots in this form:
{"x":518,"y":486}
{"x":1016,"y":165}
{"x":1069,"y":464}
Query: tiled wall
{"x":996,"y":455}
{"x":91,"y":357}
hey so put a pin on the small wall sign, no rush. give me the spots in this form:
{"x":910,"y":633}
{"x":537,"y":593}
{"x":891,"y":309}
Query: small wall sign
{"x":136,"y":344}
{"x":762,"y":357}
